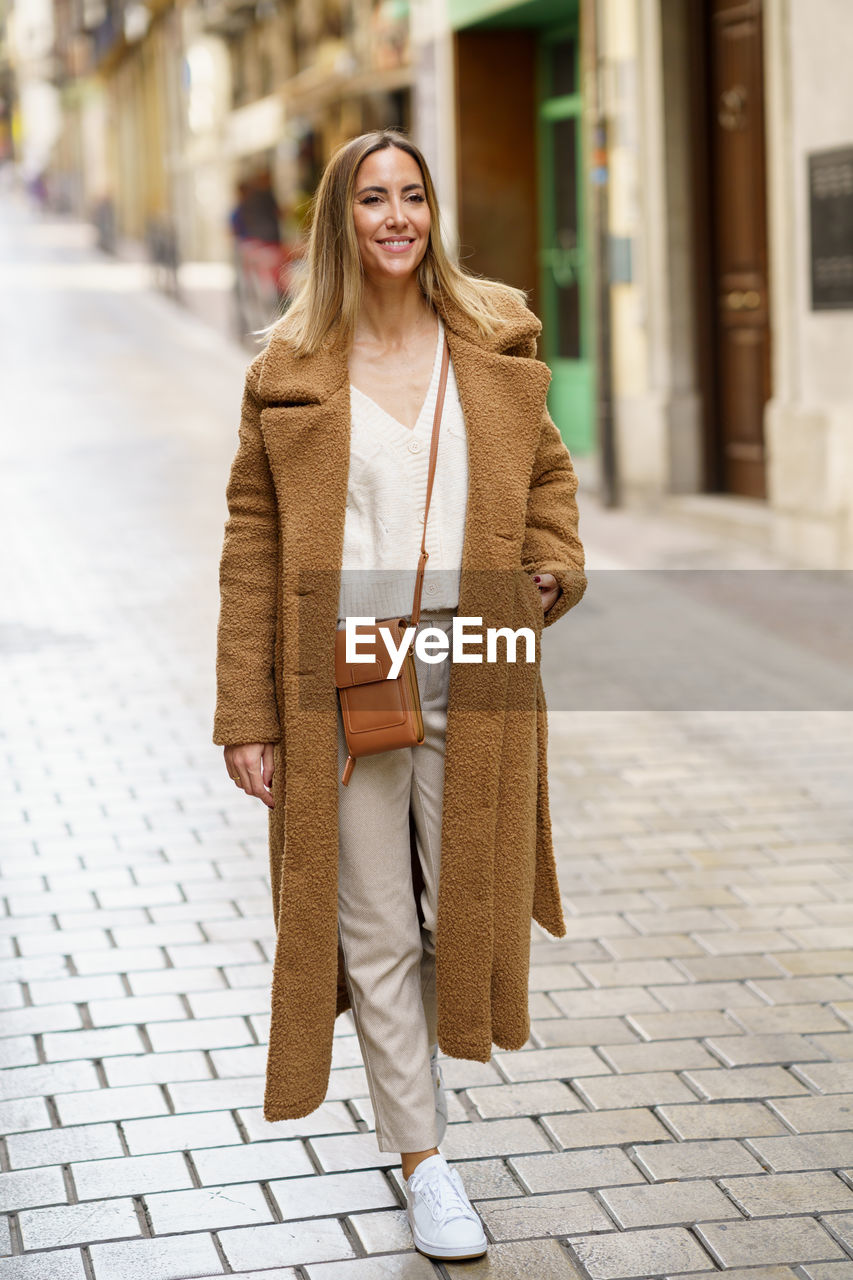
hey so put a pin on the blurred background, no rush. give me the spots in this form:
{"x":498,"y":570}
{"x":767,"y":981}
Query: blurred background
{"x":672,"y":180}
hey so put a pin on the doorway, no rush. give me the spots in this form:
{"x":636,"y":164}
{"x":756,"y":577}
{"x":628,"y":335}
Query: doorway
{"x":730,"y":216}
{"x":562,"y":255}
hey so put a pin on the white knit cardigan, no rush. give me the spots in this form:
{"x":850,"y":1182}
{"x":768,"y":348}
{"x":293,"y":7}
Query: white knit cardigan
{"x":386,"y":495}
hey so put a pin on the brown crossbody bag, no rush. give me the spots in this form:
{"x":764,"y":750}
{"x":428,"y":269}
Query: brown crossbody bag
{"x":381,"y":713}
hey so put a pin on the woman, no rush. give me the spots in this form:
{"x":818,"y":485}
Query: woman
{"x":325,"y":502}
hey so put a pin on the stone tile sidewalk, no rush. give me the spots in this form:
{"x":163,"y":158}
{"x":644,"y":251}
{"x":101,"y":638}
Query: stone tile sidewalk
{"x":685,"y":1104}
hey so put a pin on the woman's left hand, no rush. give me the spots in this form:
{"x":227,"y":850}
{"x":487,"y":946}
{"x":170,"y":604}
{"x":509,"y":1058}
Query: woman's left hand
{"x":548,"y":589}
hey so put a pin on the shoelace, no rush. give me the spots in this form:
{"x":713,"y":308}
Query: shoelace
{"x":443,"y":1196}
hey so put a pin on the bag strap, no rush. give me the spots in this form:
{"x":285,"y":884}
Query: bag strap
{"x":433,"y":452}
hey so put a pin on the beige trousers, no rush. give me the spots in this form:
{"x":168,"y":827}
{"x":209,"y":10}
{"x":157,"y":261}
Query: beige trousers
{"x":389,"y":957}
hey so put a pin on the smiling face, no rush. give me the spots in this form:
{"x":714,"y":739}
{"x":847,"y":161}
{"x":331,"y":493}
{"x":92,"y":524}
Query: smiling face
{"x":391,"y":214}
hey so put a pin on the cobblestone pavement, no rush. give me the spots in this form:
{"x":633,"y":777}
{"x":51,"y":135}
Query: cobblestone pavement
{"x":685,"y":1103}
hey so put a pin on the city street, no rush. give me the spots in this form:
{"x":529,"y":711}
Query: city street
{"x":684,"y":1106}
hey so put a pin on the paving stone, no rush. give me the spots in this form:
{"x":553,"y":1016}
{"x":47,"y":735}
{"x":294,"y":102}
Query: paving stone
{"x":155,"y":1068}
{"x":217,"y":1095}
{"x":737,"y":1244}
{"x":667,"y":1204}
{"x":351,"y":1151}
{"x":639,"y":1253}
{"x":744,"y":1082}
{"x":812,"y":1151}
{"x":276,"y":1273}
{"x":394,"y":1266}
{"x":517,"y":1260}
{"x":662,"y":1055}
{"x":207,"y":1208}
{"x":30,"y":1187}
{"x":816,"y":1115}
{"x":801,"y":990}
{"x":180,"y":1133}
{"x":806,"y":963}
{"x":605,"y":1128}
{"x":574,"y":1170}
{"x":606,"y":1002}
{"x":382,"y":1232}
{"x":333,"y":1193}
{"x":746,"y":1050}
{"x":660,"y":945}
{"x":198,"y":1033}
{"x":720,"y":1120}
{"x":329,"y":1117}
{"x":555,"y":1214}
{"x":139,"y":1009}
{"x":550,"y":1064}
{"x":837,"y":1045}
{"x":497,"y":1138}
{"x":645,"y":1089}
{"x":78,"y":1223}
{"x":165,"y":1258}
{"x":56,"y":1264}
{"x":24,"y":1113}
{"x":58,"y":1146}
{"x":827,"y":1077}
{"x":285,"y":1243}
{"x":710,"y":1158}
{"x":38,"y":1019}
{"x":49,"y":1078}
{"x":90,"y":1105}
{"x":803,"y":1018}
{"x":581,"y":1031}
{"x":532,"y":1099}
{"x":731,"y":968}
{"x":618,"y":973}
{"x":750,"y":1273}
{"x":829,"y":1271}
{"x":687,"y":1024}
{"x":130,"y":1175}
{"x":789,"y":1193}
{"x":842,"y":1227}
{"x":844,"y":1009}
{"x":259,"y":1161}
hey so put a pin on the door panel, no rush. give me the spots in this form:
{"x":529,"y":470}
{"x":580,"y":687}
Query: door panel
{"x":739,"y":240}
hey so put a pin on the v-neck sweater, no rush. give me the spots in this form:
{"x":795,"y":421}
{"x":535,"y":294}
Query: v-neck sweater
{"x":386,"y":497}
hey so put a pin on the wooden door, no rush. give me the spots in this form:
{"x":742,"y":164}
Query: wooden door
{"x":737,"y":230}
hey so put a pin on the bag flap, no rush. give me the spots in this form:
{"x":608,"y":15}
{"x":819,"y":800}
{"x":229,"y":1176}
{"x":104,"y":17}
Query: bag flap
{"x":369,"y":641}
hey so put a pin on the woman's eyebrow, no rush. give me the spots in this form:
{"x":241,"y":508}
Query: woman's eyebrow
{"x":410,"y":186}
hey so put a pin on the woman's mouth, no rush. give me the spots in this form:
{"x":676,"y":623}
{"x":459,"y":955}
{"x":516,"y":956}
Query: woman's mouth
{"x":398,"y":245}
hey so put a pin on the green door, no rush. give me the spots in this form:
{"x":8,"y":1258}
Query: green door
{"x":566,"y":339}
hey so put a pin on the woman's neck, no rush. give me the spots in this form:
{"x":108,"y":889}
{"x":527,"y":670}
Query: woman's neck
{"x":392,"y":315}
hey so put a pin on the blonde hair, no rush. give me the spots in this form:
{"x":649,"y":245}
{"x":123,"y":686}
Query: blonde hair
{"x":330,"y":289}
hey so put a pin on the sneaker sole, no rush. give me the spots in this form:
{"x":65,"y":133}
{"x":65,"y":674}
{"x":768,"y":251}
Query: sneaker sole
{"x":448,"y":1253}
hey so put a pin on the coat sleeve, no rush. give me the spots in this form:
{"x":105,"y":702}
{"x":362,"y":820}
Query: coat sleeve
{"x":246,"y":709}
{"x":551,"y":542}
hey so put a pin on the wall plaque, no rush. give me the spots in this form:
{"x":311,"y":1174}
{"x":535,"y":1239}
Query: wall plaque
{"x":831,"y":219}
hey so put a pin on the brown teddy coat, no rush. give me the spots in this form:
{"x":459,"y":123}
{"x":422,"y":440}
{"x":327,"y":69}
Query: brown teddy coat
{"x":279,"y":580}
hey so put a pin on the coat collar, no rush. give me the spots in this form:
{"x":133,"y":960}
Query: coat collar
{"x":313,"y":379}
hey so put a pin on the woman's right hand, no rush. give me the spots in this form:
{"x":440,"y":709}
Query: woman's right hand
{"x":250,"y":766}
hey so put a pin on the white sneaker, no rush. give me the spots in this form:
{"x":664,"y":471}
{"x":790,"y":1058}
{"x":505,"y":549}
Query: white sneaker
{"x":444,"y":1223}
{"x":440,"y":1095}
